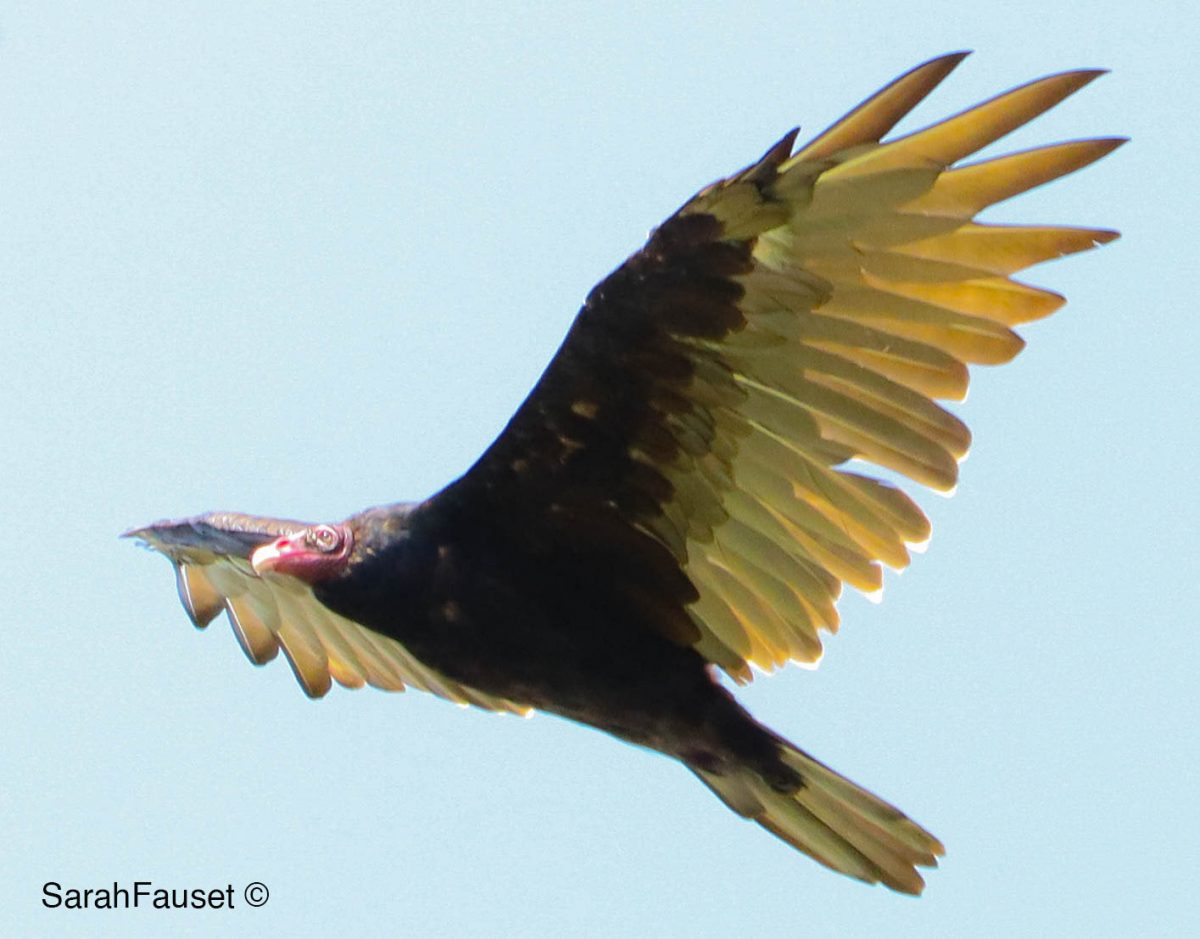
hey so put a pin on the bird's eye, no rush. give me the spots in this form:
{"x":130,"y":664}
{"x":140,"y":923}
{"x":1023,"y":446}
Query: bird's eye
{"x":324,"y":538}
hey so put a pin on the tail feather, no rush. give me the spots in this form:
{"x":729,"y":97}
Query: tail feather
{"x":832,"y":820}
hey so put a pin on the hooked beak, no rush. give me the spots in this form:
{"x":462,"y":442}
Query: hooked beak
{"x":267,"y":557}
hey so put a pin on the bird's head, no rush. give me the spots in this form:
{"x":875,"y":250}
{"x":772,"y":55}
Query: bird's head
{"x":314,"y":554}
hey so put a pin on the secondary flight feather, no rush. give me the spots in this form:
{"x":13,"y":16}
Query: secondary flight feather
{"x":688,"y":487}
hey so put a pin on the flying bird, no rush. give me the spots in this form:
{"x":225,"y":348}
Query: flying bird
{"x":690,"y":483}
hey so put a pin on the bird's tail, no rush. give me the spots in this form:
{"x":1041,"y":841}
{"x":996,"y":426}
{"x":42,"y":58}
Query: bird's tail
{"x":832,"y":820}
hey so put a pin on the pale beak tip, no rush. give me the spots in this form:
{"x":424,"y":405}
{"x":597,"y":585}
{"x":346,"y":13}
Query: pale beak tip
{"x":265,"y":558}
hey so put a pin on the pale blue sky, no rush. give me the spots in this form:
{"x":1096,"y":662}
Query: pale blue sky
{"x":301,"y":262}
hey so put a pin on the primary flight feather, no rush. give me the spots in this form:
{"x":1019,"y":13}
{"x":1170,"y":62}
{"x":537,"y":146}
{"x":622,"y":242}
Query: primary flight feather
{"x":677,"y":492}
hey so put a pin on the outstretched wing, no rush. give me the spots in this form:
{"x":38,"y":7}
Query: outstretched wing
{"x":211,"y":554}
{"x":705,"y":413}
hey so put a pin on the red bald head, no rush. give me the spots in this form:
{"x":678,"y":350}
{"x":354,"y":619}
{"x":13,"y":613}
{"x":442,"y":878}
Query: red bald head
{"x":311,"y":554}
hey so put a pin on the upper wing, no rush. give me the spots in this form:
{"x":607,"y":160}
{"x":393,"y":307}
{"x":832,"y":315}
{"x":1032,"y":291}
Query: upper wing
{"x":271,"y":612}
{"x":803,"y":313}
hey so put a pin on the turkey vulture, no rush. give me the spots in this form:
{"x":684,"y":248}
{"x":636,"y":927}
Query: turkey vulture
{"x":684,"y":489}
